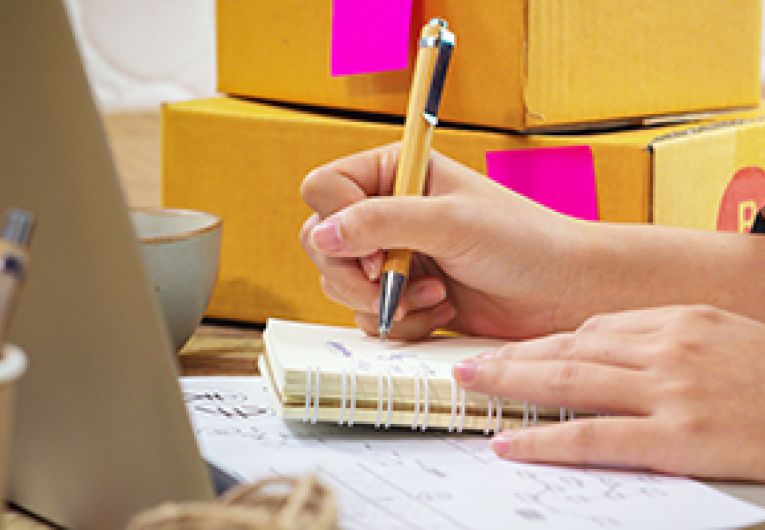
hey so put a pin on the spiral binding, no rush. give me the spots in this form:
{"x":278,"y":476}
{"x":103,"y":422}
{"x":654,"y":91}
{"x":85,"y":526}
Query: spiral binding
{"x":311,"y":395}
{"x":421,"y":408}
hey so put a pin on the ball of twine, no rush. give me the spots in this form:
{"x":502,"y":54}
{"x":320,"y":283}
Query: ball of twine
{"x":278,"y":503}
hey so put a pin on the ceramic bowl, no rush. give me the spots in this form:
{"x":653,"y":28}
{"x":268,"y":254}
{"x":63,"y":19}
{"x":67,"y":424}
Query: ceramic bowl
{"x":181,"y":250}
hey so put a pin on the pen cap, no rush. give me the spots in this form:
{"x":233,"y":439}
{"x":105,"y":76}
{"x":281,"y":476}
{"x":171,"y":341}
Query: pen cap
{"x":17,"y":227}
{"x":432,"y":30}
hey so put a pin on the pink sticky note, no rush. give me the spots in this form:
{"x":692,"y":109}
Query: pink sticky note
{"x":561,"y":178}
{"x":370,"y":36}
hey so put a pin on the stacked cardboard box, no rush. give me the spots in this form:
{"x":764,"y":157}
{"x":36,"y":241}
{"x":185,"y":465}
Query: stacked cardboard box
{"x":518,"y":64}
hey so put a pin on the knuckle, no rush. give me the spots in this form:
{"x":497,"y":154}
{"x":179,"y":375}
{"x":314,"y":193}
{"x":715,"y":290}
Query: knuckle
{"x":684,"y":390}
{"x":582,"y":439}
{"x":592,"y":324}
{"x":363,"y":219}
{"x":698,"y":314}
{"x":444,"y":207}
{"x":677,"y":351}
{"x":658,"y":353}
{"x":689,"y":346}
{"x":692,"y":424}
{"x":563,"y":378}
{"x":569,"y":346}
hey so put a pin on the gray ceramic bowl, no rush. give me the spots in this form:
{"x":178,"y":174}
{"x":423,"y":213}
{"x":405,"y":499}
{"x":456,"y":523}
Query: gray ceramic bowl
{"x":181,"y":250}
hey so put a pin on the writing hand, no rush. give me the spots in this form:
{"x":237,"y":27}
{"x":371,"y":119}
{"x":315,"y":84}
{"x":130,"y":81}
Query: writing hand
{"x":488,"y":261}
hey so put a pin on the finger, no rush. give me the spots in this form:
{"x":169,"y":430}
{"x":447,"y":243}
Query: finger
{"x":308,"y":226}
{"x":631,"y":321}
{"x":425,"y":224}
{"x":347,"y":180}
{"x":333,"y":294}
{"x":416,"y":324}
{"x":620,"y":441}
{"x":616,"y":349}
{"x":422,"y":293}
{"x":372,"y":265}
{"x":334,"y":186}
{"x":343,"y":282}
{"x":571,"y":384}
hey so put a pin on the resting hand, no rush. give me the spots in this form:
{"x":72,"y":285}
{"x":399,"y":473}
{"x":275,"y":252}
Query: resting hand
{"x":683,"y":387}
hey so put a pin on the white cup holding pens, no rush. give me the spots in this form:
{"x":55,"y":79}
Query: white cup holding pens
{"x":13,"y":363}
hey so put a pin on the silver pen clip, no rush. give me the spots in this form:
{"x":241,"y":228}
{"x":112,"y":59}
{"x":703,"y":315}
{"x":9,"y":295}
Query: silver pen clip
{"x":445,"y":43}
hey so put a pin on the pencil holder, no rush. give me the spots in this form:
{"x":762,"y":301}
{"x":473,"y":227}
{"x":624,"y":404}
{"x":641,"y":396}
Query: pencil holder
{"x":13,"y":362}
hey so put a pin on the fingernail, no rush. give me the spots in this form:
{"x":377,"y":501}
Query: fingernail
{"x":326,"y":235}
{"x":427,"y":294}
{"x":371,"y":268}
{"x":465,"y":371}
{"x":501,"y":443}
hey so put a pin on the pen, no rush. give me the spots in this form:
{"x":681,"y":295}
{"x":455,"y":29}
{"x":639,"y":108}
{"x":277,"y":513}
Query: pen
{"x":435,"y":50}
{"x":15,"y":235}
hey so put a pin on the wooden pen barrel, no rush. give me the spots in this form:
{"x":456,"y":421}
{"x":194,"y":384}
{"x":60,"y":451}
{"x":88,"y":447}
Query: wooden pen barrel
{"x":412,"y":168}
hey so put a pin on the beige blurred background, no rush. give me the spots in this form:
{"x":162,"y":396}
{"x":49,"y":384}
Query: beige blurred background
{"x":137,"y":54}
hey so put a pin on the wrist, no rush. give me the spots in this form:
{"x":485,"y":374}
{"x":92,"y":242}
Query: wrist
{"x":585,"y":258}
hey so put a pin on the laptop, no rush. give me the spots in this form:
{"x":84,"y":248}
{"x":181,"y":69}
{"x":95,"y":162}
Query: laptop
{"x":101,"y":428}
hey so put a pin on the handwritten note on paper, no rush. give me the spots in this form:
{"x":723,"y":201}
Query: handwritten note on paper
{"x":396,"y":479}
{"x":561,"y":178}
{"x":370,"y":36}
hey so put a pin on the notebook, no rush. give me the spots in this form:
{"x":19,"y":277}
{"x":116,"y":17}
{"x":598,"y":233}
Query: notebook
{"x":333,"y":374}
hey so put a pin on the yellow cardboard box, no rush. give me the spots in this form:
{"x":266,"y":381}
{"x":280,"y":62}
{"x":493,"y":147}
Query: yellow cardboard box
{"x":518,"y":64}
{"x":245,"y":161}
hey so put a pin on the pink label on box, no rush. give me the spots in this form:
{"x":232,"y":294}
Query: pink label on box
{"x":561,"y":178}
{"x":370,"y":36}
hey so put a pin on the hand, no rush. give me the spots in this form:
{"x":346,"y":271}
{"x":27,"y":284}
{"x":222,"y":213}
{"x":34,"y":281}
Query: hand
{"x":488,"y":261}
{"x":684,"y":387}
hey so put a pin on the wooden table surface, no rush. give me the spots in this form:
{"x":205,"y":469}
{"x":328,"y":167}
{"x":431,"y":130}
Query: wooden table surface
{"x":214,"y":349}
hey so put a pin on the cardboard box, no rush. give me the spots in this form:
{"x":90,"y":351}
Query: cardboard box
{"x":245,"y":161}
{"x":518,"y":64}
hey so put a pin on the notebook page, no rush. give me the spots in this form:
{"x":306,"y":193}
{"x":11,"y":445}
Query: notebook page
{"x":300,"y":345}
{"x":294,"y":348}
{"x":395,"y":480}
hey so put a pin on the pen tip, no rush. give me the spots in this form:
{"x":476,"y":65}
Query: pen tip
{"x":383,"y":334}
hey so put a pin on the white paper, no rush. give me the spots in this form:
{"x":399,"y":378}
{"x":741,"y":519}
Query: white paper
{"x":334,"y":348}
{"x":399,"y":479}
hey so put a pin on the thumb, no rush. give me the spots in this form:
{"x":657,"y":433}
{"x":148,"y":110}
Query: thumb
{"x":421,"y":224}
